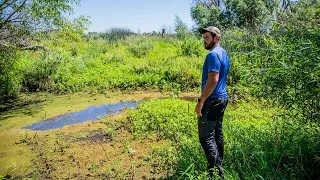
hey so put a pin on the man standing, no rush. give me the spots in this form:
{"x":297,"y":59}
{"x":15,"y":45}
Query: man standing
{"x":214,"y":98}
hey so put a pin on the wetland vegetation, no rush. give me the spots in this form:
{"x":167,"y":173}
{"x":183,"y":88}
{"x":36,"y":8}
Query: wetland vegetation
{"x":271,"y":125}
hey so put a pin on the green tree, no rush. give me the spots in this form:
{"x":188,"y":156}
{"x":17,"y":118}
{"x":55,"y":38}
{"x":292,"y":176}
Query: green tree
{"x":301,"y":14}
{"x":181,"y":28}
{"x":20,"y":22}
{"x":249,"y":13}
{"x":230,"y":13}
{"x":20,"y":19}
{"x":205,"y":14}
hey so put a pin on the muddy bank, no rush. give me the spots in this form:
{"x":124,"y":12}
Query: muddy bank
{"x":96,"y":149}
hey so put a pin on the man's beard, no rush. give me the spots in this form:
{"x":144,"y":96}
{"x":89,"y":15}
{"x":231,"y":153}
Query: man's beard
{"x":209,"y":46}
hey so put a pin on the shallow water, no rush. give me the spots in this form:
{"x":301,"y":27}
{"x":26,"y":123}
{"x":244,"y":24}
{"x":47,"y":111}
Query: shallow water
{"x":90,"y":114}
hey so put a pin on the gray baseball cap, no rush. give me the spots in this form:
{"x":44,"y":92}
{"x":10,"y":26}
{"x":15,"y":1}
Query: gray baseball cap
{"x":212,"y":29}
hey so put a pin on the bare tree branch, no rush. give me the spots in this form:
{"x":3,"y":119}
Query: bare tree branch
{"x":4,"y":4}
{"x":14,"y":12}
{"x":285,"y":4}
{"x":36,"y":47}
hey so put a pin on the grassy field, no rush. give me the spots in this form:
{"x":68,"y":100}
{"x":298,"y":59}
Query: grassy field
{"x":139,"y":62}
{"x":158,"y":140}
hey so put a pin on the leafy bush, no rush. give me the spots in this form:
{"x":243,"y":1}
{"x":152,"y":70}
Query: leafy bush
{"x":282,"y":66}
{"x":168,"y":117}
{"x":139,"y":47}
{"x":10,"y":73}
{"x":191,"y":46}
{"x":39,"y":75}
{"x":293,"y":77}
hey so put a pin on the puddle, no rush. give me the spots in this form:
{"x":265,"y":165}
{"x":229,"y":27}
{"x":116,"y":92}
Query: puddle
{"x":89,"y":114}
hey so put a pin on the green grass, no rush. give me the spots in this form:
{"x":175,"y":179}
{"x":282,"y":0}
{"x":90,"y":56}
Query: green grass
{"x":139,"y":62}
{"x":257,"y":144}
{"x":280,"y":66}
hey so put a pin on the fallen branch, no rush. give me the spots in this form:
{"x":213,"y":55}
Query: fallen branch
{"x":36,"y":47}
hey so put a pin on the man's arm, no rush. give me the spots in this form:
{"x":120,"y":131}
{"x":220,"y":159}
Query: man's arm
{"x":213,"y":78}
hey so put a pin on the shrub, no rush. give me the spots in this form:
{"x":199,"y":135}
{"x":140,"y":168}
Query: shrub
{"x":139,"y":47}
{"x":191,"y":46}
{"x":10,"y":73}
{"x":39,"y":74}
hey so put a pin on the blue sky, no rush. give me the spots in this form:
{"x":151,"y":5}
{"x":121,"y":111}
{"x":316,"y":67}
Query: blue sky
{"x":146,"y":15}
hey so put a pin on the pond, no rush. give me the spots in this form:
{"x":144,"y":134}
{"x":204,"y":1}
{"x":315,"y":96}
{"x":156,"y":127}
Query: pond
{"x":90,"y":114}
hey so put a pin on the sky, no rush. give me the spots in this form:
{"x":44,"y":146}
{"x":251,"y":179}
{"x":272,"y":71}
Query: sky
{"x":137,"y":15}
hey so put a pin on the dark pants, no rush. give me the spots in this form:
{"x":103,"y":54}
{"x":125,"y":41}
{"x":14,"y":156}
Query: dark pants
{"x":210,"y":131}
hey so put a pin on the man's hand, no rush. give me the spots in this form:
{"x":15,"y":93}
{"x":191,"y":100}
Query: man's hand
{"x":198,"y":109}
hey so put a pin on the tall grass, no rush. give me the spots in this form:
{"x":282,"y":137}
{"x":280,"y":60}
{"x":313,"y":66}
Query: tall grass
{"x":283,"y":66}
{"x":10,"y":73}
{"x":138,"y":63}
{"x":258,"y":145}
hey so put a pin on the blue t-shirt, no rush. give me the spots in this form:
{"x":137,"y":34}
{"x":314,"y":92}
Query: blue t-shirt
{"x":217,"y":61}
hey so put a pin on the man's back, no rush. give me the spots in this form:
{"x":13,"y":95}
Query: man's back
{"x":217,"y":61}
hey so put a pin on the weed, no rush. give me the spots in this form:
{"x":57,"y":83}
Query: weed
{"x":92,"y":167}
{"x":256,"y":144}
{"x":25,"y":137}
{"x":112,"y":132}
